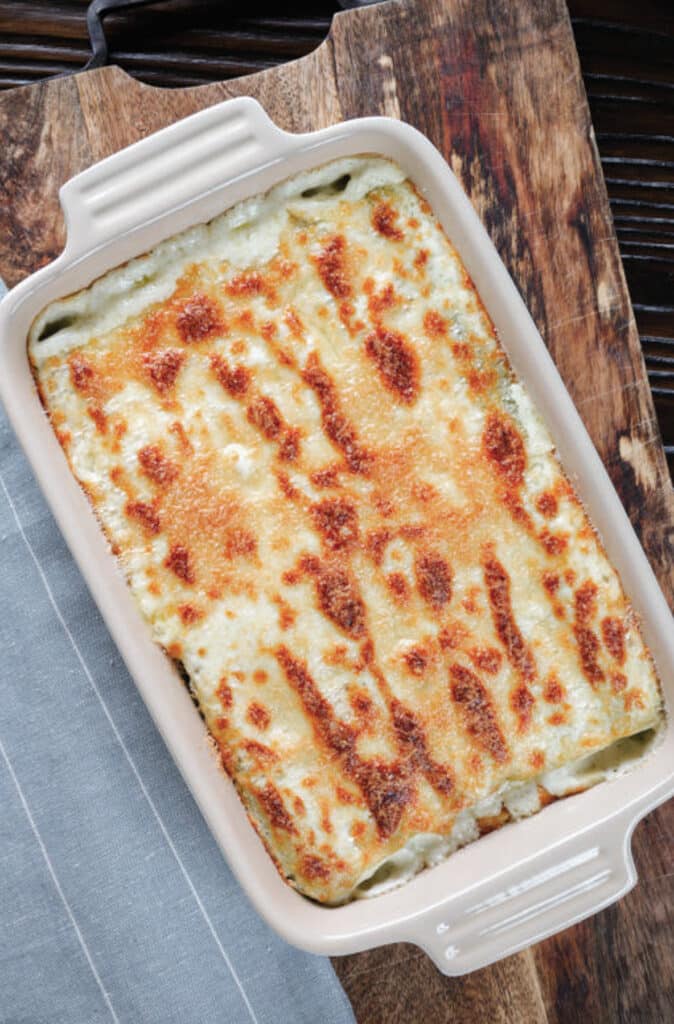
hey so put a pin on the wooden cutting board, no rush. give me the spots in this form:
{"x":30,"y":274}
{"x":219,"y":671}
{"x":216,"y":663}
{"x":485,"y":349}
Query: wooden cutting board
{"x":496,"y":85}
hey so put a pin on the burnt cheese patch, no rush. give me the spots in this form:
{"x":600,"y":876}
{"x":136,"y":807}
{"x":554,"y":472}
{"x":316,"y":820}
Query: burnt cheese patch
{"x":334,"y":420}
{"x":198,"y":319}
{"x":337,"y":521}
{"x":333,"y":268}
{"x":477,"y":712}
{"x":434,"y":579}
{"x":505,"y":448}
{"x":339,"y":512}
{"x":163,"y":367}
{"x":385,"y":221}
{"x":396,"y":362}
{"x":234,"y":379}
{"x":156,"y":466}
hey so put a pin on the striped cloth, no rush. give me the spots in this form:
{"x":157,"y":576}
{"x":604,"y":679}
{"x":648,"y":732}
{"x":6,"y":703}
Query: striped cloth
{"x":115,"y":902}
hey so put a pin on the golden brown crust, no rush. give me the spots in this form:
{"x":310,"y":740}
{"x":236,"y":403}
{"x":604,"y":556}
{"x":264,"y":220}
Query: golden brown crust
{"x":328,"y":487}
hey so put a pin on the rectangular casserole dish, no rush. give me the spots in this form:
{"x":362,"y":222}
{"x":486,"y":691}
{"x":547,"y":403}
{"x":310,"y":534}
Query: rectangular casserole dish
{"x":552,"y":873}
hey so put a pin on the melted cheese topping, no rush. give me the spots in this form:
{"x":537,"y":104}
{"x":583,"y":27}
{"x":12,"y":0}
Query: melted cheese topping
{"x":338,"y":510}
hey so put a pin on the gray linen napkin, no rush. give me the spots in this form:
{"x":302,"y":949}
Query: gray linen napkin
{"x":115,"y":902}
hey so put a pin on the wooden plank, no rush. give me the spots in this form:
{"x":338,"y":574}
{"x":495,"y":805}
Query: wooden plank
{"x":496,"y":85}
{"x":399,"y":984}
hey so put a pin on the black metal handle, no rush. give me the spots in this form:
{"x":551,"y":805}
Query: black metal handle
{"x":98,"y":9}
{"x":96,"y":12}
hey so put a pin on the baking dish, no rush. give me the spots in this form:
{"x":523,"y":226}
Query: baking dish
{"x":553,"y":869}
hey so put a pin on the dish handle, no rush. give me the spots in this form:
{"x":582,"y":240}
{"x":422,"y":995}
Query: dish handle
{"x":162,"y":173}
{"x":530,"y":902}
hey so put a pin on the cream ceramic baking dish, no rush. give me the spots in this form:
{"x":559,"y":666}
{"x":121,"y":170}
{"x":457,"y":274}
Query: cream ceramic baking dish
{"x":555,"y":868}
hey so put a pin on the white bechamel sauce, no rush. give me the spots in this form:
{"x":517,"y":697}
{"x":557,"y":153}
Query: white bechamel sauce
{"x":519,"y":799}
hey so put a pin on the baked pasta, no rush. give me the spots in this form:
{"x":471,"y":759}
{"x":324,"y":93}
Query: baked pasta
{"x":340,"y":514}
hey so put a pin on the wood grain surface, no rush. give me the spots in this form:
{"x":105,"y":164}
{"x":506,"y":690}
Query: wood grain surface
{"x":496,"y":85}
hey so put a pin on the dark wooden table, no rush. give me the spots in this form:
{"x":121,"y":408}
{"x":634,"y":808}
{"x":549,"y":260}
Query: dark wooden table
{"x":627,"y":56}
